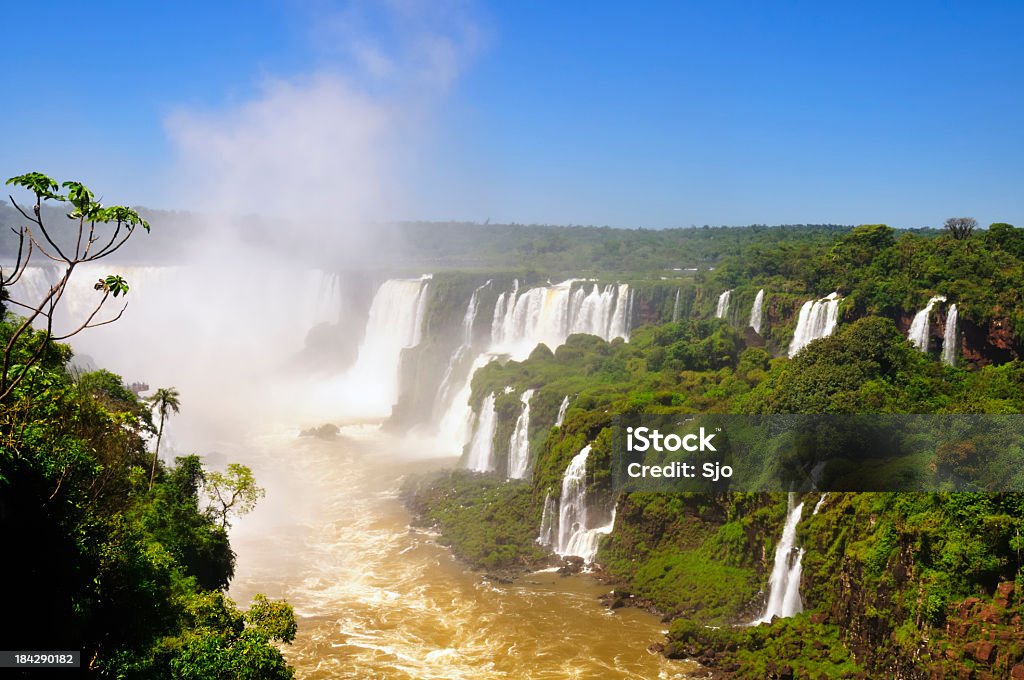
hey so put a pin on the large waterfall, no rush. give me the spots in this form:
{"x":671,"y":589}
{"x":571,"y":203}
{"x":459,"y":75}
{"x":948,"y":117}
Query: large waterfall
{"x":576,"y":535}
{"x":395,"y":323}
{"x":549,"y":314}
{"x":950,"y":337}
{"x":757,"y":312}
{"x":784,"y":583}
{"x":817,"y":319}
{"x":481,"y":449}
{"x":722,"y":309}
{"x":519,"y":442}
{"x":675,"y":306}
{"x":919,"y":327}
{"x":546,"y":314}
{"x":562,"y":408}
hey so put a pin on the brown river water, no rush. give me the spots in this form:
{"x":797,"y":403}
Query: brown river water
{"x":376,"y":599}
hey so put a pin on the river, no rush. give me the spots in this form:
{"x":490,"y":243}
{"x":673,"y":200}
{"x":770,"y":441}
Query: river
{"x":376,"y":599}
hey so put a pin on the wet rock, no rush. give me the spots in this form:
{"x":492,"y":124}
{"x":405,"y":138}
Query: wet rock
{"x":981,"y":651}
{"x":328,"y":431}
{"x":1017,"y":673}
{"x":571,"y":565}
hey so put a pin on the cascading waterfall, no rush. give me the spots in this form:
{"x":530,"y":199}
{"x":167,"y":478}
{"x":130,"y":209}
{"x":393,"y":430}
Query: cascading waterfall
{"x":722,"y":310}
{"x":395,"y":323}
{"x":756,"y":311}
{"x":576,"y":536}
{"x":549,"y":314}
{"x":675,"y":306}
{"x":784,"y":585}
{"x":949,"y":337}
{"x":817,"y":319}
{"x":519,"y":442}
{"x":561,"y":411}
{"x":481,"y":449}
{"x":919,"y":327}
{"x":548,"y":522}
{"x":461,"y":353}
{"x":546,"y":314}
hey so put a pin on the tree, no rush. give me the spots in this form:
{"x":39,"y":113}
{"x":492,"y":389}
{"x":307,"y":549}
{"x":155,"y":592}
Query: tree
{"x":961,"y":227}
{"x":167,"y":401}
{"x":87,"y":241}
{"x":232,"y":491}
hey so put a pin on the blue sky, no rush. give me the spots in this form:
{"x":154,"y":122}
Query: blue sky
{"x":669,"y":114}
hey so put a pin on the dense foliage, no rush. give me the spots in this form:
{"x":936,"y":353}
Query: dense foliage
{"x":99,"y":562}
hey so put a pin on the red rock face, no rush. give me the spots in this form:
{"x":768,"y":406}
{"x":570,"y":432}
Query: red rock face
{"x":995,"y":344}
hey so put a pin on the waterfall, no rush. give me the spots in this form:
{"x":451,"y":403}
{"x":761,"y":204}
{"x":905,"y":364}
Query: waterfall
{"x":548,"y":522}
{"x":395,"y":323}
{"x":817,"y":506}
{"x":949,"y":337}
{"x":461,"y":353}
{"x":481,"y":449}
{"x":675,"y":306}
{"x":576,"y":536}
{"x":756,"y":312}
{"x":919,"y":327}
{"x":817,"y":319}
{"x":784,"y":585}
{"x":545,"y":314}
{"x":722,"y":310}
{"x":549,"y":314}
{"x":519,"y":443}
{"x":561,"y":411}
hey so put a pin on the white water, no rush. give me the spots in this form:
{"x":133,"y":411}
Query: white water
{"x":817,"y":506}
{"x":519,"y":442}
{"x":561,"y":411}
{"x":460,"y":355}
{"x":919,"y":327}
{"x":549,"y":314}
{"x":722,"y":309}
{"x":817,"y":319}
{"x":523,"y":320}
{"x":576,"y":535}
{"x":675,"y":306}
{"x":784,"y":585}
{"x":548,"y":522}
{"x":950,"y":336}
{"x":756,"y":312}
{"x":395,"y":323}
{"x":481,"y":449}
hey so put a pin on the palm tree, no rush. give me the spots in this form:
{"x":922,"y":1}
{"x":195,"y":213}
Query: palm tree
{"x":166,"y":400}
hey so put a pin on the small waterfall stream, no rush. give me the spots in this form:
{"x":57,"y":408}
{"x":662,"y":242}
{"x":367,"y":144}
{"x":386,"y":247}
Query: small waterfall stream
{"x":519,"y":442}
{"x":481,"y":449}
{"x":817,"y":319}
{"x":784,"y":584}
{"x":561,"y":411}
{"x":722,"y":309}
{"x":757,"y":312}
{"x":950,"y":337}
{"x":920,"y":326}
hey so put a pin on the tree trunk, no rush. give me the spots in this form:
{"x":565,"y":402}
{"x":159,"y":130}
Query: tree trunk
{"x":156,"y":452}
